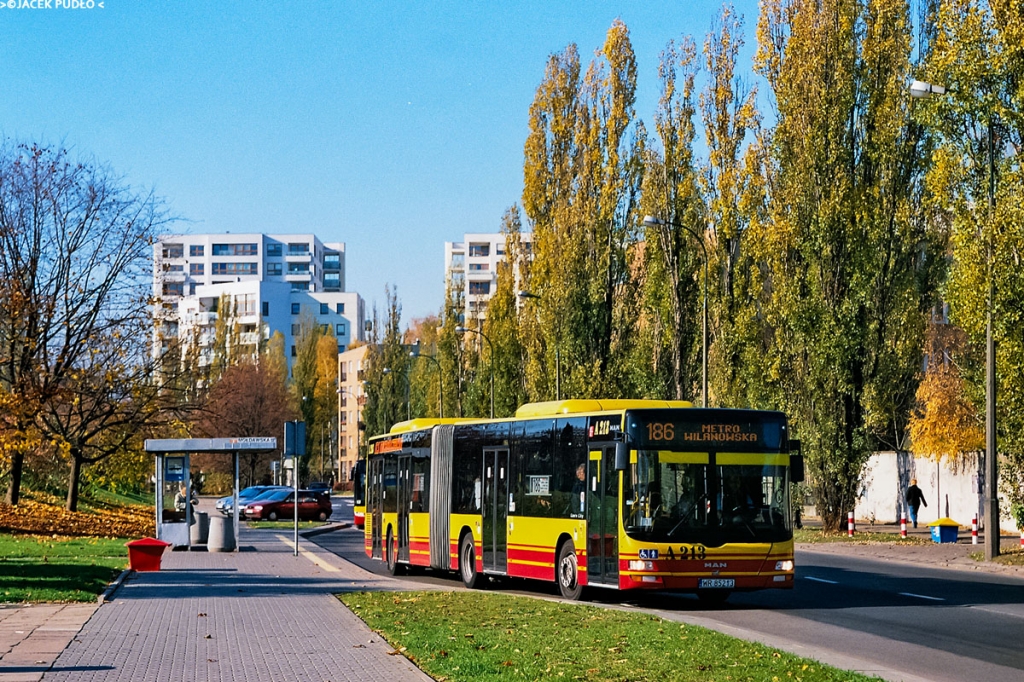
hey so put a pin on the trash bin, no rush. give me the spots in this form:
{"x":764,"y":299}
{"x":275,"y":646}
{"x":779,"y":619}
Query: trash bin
{"x":200,"y":530}
{"x":144,"y":554}
{"x":222,"y":534}
{"x":944,"y":530}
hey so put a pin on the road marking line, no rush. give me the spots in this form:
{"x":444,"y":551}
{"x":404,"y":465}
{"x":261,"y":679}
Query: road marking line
{"x":309,"y":555}
{"x":821,"y":580}
{"x":921,"y":596}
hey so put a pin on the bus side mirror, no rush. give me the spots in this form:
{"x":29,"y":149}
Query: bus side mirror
{"x":796,"y":468}
{"x":621,"y":456}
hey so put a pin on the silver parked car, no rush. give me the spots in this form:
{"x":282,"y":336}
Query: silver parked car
{"x":244,"y":495}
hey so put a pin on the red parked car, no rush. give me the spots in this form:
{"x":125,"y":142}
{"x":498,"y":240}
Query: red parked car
{"x":313,"y":506}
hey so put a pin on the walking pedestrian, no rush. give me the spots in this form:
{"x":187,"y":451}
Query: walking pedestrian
{"x":915,"y":498}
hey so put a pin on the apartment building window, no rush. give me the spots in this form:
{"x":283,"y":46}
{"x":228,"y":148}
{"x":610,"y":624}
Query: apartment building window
{"x":295,"y":353}
{"x":332,"y":261}
{"x":273,"y":269}
{"x":325,"y":308}
{"x":174,"y":288}
{"x":500,"y":250}
{"x":479,"y":267}
{"x":325,"y":329}
{"x":192,"y":289}
{"x":274,"y":249}
{"x":298,"y":268}
{"x":479,"y":250}
{"x":458,"y":280}
{"x":266,"y":308}
{"x":295,"y":308}
{"x":174,"y":251}
{"x":298,"y":249}
{"x":332,"y":280}
{"x":171,"y":267}
{"x":339,"y":329}
{"x":341,"y":349}
{"x":479,"y":287}
{"x":234,"y":249}
{"x":196,"y":250}
{"x":458,"y":261}
{"x":195,"y":269}
{"x":301,"y":286}
{"x":339,"y":308}
{"x":236,"y":268}
{"x":245,"y":304}
{"x":296,"y":328}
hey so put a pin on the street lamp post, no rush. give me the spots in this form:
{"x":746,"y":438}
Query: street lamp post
{"x":658,"y":222}
{"x":921,"y":89}
{"x":415,"y":353}
{"x":558,"y":355}
{"x":463,"y":330}
{"x":408,"y":407}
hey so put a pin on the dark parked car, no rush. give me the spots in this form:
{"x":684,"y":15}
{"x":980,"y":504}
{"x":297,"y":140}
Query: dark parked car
{"x":279,"y":504}
{"x":245,"y":495}
{"x":320,"y":486}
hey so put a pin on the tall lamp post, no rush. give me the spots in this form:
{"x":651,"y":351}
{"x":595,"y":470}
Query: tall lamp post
{"x":408,"y":407}
{"x":463,"y":330}
{"x":658,"y":222}
{"x":921,"y":89}
{"x":558,"y":356}
{"x":415,"y":353}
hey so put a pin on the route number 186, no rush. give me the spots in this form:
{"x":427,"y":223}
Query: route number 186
{"x":659,"y":431}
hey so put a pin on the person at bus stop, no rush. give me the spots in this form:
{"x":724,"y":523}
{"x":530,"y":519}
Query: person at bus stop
{"x":915,"y":498}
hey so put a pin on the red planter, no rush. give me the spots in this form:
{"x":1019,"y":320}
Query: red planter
{"x":144,"y":554}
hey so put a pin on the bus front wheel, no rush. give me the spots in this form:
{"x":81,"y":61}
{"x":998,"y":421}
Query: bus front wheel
{"x":467,"y":562}
{"x":568,"y":575}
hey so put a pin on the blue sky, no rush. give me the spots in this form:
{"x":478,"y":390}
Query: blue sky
{"x":392,"y":127}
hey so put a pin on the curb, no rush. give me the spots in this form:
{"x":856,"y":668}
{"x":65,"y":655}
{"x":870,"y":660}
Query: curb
{"x":313,"y":532}
{"x":108,"y":593}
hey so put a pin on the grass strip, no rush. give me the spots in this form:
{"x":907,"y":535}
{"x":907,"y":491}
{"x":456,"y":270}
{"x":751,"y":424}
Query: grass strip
{"x":34,"y":569}
{"x":475,"y":636}
{"x":817,"y":536}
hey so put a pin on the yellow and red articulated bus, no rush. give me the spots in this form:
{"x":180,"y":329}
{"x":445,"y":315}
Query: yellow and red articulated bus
{"x":358,"y":478}
{"x":614,"y":494}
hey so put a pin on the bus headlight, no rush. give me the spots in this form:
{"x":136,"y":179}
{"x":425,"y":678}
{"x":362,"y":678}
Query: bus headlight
{"x":784,"y":565}
{"x":641,"y":565}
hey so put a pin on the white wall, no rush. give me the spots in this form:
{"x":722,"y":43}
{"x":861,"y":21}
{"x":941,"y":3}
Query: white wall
{"x":948,"y":493}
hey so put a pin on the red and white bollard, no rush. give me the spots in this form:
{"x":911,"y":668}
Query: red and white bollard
{"x":903,"y":525}
{"x":1022,"y":538}
{"x":849,"y":523}
{"x":974,"y":530}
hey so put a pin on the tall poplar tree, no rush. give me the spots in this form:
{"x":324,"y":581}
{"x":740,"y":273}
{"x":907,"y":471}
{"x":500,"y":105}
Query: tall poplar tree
{"x":842,"y":248}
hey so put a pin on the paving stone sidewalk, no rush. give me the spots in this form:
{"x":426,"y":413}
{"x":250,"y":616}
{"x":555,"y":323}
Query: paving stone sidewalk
{"x":258,"y":615}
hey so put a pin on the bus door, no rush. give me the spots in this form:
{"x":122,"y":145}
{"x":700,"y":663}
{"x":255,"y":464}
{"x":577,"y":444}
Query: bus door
{"x":404,"y":503}
{"x":495,"y":510}
{"x":375,"y":502}
{"x":602,"y":516}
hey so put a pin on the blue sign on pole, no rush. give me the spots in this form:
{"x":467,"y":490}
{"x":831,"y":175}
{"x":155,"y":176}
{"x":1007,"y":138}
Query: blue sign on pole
{"x":295,"y":439}
{"x":174,"y":469}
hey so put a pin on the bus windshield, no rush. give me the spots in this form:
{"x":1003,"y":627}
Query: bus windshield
{"x":669,"y":500}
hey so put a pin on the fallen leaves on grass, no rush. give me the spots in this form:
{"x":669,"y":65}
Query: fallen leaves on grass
{"x":35,"y":518}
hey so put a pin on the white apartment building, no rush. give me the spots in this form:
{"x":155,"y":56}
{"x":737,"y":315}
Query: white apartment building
{"x":472,"y":265}
{"x":272,"y":281}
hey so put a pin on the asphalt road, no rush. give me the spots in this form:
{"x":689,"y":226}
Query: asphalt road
{"x":896,"y":620}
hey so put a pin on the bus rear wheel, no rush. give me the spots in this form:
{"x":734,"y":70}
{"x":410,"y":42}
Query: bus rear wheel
{"x":391,"y":553}
{"x":467,"y":562}
{"x":567,"y":573}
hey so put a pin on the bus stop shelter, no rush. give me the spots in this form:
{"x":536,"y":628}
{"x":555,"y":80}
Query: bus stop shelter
{"x":173,"y":466}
